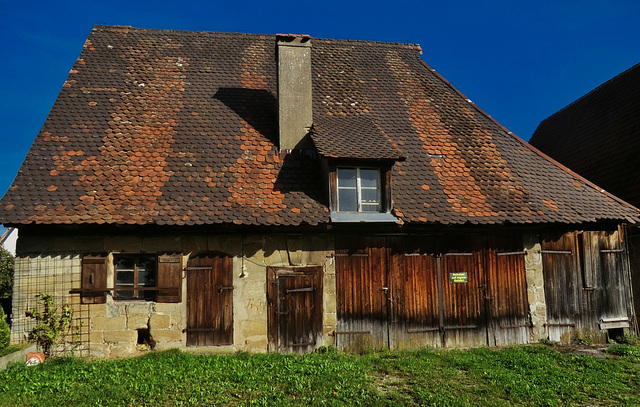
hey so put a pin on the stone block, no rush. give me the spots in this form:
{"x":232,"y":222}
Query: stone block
{"x":252,"y":328}
{"x":166,"y":335}
{"x":168,"y":308}
{"x":167,"y":345}
{"x":121,"y":336}
{"x":123,"y":349}
{"x":137,"y":321}
{"x":99,"y":323}
{"x":100,"y":350}
{"x":96,"y":337}
{"x":139,"y":308}
{"x":159,"y":321}
{"x":257,"y":343}
{"x":330,"y":319}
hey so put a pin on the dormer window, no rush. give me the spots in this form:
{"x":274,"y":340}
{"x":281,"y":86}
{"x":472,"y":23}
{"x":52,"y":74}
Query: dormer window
{"x":359,"y":189}
{"x":361,"y":192}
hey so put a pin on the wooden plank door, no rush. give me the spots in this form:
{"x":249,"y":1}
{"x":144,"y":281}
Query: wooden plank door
{"x":413,"y":282}
{"x":507,"y":301}
{"x":210,"y":300}
{"x":362,"y":293}
{"x":606,"y":279}
{"x":463,"y":294}
{"x":562,"y":284}
{"x":294,"y":296}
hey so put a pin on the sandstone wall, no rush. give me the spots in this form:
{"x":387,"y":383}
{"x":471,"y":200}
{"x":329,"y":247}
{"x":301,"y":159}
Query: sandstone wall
{"x":123,"y":328}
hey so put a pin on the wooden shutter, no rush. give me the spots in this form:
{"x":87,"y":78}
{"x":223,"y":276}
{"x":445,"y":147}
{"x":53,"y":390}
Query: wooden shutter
{"x":94,"y":280}
{"x":170,"y":278}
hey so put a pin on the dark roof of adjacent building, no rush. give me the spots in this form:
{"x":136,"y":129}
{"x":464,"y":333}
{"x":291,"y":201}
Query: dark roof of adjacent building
{"x":598,"y":136}
{"x":180,"y":128}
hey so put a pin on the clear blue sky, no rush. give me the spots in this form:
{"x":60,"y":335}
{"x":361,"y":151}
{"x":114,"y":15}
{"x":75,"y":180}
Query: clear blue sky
{"x":518,"y":60}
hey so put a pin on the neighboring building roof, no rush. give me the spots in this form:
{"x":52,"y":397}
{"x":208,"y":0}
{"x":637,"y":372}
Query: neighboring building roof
{"x":180,"y":128}
{"x":598,"y":136}
{"x":9,"y":239}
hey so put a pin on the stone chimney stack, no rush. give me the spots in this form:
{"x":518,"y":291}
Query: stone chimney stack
{"x":293,"y":55}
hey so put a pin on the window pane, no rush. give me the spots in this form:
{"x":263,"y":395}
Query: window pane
{"x":125,"y":278}
{"x":370,"y":208}
{"x":126,"y":267}
{"x":346,"y":177}
{"x":147,"y":272}
{"x":369,"y":196}
{"x":347,"y":200}
{"x":369,"y":177}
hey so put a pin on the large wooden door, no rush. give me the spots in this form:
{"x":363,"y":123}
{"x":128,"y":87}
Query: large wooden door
{"x":411,"y":291}
{"x":210,"y":300}
{"x":507,"y":301}
{"x":586,"y":283}
{"x":413,"y":282}
{"x":363,"y":293}
{"x":294,"y":296}
{"x":463,"y":292}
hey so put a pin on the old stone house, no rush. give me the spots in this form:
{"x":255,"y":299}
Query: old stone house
{"x":280,"y":193}
{"x":598,"y":136}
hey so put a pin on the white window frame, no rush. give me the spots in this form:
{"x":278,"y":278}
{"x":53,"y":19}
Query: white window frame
{"x":358,"y":189}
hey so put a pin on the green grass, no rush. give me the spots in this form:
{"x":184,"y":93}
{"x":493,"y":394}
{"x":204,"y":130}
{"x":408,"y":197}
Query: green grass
{"x":527,"y":375}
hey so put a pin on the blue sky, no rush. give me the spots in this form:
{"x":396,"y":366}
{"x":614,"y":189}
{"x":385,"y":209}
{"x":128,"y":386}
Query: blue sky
{"x":520,"y":61}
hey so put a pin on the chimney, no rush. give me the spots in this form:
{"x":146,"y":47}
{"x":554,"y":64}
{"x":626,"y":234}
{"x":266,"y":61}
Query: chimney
{"x":293,"y":54}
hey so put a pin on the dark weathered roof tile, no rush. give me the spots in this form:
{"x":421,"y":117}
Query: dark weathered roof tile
{"x":180,"y":128}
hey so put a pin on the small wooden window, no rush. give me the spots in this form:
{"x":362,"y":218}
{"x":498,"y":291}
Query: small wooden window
{"x":136,"y":277}
{"x":94,"y":280}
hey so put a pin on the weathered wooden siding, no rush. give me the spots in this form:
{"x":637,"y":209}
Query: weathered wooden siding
{"x":586,"y":280}
{"x":434,"y":291}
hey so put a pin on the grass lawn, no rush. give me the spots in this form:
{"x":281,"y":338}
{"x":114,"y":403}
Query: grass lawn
{"x":524,"y":375}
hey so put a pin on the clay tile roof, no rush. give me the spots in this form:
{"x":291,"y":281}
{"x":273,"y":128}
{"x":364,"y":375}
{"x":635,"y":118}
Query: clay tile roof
{"x":598,"y":135}
{"x":180,"y":128}
{"x":352,"y":137}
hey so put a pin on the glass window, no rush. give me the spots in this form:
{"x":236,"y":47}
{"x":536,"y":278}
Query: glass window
{"x":136,"y":277}
{"x":359,"y":189}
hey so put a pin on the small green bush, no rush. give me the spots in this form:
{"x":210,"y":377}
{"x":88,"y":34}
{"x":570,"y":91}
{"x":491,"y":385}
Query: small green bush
{"x":5,"y":332}
{"x":51,"y":324}
{"x":6,"y":273}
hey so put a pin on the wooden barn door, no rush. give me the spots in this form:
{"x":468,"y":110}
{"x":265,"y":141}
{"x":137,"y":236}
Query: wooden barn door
{"x":413,"y":295}
{"x":463,"y":293}
{"x":210,"y":301}
{"x":507,"y":302}
{"x":562,"y":284}
{"x":363,"y":293}
{"x":294,"y":296}
{"x":438,"y":291}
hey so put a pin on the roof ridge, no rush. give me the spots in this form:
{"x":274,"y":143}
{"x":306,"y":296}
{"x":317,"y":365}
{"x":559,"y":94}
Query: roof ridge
{"x":591,"y":92}
{"x":409,"y":45}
